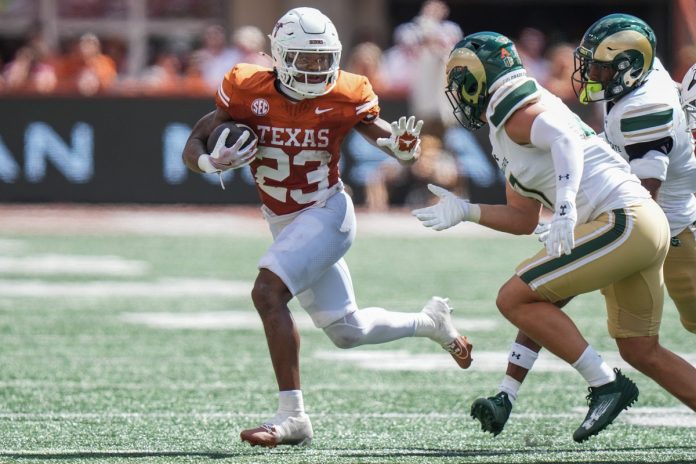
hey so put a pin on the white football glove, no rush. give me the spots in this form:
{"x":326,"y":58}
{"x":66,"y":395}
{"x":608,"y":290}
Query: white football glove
{"x":224,"y":158}
{"x":449,"y":211}
{"x":560,"y":239}
{"x":542,"y":231}
{"x":404,"y":140}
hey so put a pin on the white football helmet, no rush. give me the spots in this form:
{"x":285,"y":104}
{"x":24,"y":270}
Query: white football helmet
{"x":688,"y":96}
{"x":306,"y":52}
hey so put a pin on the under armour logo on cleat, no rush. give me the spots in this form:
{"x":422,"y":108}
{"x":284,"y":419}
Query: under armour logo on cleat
{"x":566,"y":176}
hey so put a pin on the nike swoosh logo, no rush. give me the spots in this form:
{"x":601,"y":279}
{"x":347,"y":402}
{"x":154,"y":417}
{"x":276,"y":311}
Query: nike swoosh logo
{"x":321,"y":110}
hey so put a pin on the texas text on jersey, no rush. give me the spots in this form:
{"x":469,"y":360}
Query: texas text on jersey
{"x":299,"y":142}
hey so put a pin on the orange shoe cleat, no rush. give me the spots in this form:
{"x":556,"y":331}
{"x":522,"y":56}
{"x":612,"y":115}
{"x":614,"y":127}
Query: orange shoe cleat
{"x":281,"y":430}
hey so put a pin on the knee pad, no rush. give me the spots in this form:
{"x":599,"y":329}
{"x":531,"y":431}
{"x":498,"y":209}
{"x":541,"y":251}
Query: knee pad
{"x":343,"y":334}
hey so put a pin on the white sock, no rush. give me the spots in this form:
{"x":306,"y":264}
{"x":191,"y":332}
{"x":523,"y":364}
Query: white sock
{"x":511,"y":387}
{"x":290,"y":402}
{"x":593,"y":368}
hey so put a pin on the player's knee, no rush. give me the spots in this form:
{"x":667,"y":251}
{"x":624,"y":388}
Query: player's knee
{"x":689,"y":325}
{"x":344,"y":336}
{"x":641,"y":354}
{"x":505,"y":301}
{"x":269,"y":294}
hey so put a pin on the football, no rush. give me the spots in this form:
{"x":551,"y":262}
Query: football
{"x":236,"y":131}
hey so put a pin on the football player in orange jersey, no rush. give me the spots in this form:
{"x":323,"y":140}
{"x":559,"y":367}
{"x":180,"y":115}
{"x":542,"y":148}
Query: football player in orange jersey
{"x":301,"y":111}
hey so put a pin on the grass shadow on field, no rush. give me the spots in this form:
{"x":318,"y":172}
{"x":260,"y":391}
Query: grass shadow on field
{"x":506,"y":455}
{"x":69,"y":455}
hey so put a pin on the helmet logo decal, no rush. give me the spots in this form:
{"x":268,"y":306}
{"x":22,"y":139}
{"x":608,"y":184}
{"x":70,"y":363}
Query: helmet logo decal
{"x":277,"y":27}
{"x":506,"y":57}
{"x":260,"y":107}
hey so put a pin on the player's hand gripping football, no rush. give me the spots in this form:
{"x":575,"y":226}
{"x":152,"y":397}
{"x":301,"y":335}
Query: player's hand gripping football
{"x":560,"y":239}
{"x":224,"y":158}
{"x":404,"y":141}
{"x":449,"y":211}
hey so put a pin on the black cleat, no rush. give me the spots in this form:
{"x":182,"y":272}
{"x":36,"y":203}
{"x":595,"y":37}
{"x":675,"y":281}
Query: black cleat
{"x":492,"y":412}
{"x":606,"y":402}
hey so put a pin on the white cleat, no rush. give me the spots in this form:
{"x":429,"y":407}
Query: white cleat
{"x":281,"y":430}
{"x":440,"y":312}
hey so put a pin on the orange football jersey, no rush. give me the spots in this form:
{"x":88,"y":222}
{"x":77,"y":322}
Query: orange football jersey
{"x":299,"y":142}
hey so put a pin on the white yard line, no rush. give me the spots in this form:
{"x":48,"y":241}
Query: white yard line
{"x":160,"y":288}
{"x":62,"y":265}
{"x":245,"y":320}
{"x":196,"y":221}
{"x":483,"y":361}
{"x":648,"y":416}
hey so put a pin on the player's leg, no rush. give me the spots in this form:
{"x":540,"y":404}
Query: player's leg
{"x":305,"y":245}
{"x":290,"y":425}
{"x":614,"y":246}
{"x":669,"y":370}
{"x":332,"y":298}
{"x":635,"y":310}
{"x":680,"y":276}
{"x":493,"y":412}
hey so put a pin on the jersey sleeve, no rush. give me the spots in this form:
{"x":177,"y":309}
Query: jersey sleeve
{"x":509,"y":98}
{"x":367,"y":108}
{"x":647,"y":123}
{"x":227,"y":89}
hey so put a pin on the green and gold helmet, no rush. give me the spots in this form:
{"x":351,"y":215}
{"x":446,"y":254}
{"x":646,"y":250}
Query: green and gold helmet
{"x":614,"y":57}
{"x":475,"y":68}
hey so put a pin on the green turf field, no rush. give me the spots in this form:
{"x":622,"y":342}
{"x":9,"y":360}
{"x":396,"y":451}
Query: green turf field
{"x":146,"y":349}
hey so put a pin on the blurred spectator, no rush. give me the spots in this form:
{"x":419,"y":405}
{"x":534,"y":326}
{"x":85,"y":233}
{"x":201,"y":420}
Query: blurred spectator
{"x":250,"y":43}
{"x":390,"y":182}
{"x":560,"y":70}
{"x":530,"y":45}
{"x":365,"y":59}
{"x":163,"y":77}
{"x":686,"y":57}
{"x":427,"y":99}
{"x":193,"y":84}
{"x":435,"y":166}
{"x":399,"y":62}
{"x":216,"y":57}
{"x":86,"y":69}
{"x":29,"y":73}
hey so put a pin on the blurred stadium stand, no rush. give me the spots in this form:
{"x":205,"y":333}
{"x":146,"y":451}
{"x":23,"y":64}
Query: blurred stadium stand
{"x":115,"y":133}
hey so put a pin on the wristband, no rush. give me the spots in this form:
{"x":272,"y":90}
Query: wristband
{"x":205,"y":165}
{"x":474,"y":213}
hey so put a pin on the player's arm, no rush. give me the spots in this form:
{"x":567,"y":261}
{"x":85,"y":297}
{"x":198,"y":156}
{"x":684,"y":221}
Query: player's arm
{"x":400,"y":139}
{"x":196,"y":144}
{"x":519,"y":216}
{"x":649,"y":161}
{"x":544,"y":129}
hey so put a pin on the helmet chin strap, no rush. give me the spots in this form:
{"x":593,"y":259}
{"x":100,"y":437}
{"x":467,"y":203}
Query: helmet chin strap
{"x":290,"y":93}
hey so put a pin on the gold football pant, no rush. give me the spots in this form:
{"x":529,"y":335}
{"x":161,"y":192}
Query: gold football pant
{"x":621,"y":252}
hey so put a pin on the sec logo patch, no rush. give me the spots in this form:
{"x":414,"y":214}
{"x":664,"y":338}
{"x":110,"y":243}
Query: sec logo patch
{"x":260,"y":107}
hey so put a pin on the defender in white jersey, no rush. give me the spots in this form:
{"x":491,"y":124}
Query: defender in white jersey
{"x":688,"y":98}
{"x":643,"y":122}
{"x":606,"y":233}
{"x":301,"y":110}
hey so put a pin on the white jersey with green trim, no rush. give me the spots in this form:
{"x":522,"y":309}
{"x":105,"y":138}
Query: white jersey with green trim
{"x":649,"y":113}
{"x":606,"y":181}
